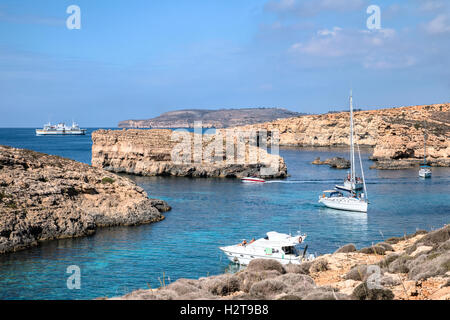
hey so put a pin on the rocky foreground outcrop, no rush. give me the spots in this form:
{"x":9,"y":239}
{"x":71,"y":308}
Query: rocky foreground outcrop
{"x":415,"y":267}
{"x":160,"y":152}
{"x":395,"y":134}
{"x":44,"y":197}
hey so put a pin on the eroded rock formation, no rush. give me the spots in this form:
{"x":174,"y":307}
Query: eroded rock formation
{"x":45,"y":197}
{"x":336,"y":162}
{"x":163,"y":152}
{"x":395,"y":134}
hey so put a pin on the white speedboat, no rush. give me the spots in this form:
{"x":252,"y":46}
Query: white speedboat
{"x":352,"y":202}
{"x":252,"y":180}
{"x":336,"y":200}
{"x":278,"y":246}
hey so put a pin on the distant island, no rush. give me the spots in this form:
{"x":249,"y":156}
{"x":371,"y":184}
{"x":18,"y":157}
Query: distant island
{"x":222,"y":118}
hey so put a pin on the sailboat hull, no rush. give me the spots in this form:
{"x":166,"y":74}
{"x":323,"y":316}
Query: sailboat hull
{"x":344,"y":203}
{"x":425,"y":173}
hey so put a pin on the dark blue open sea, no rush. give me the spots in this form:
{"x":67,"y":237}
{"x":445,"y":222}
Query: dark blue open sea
{"x":208,"y":213}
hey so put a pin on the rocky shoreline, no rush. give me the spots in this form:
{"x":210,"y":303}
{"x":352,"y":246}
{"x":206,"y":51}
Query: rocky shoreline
{"x":390,"y":164}
{"x":414,"y":267}
{"x":336,"y":162}
{"x":44,"y":197}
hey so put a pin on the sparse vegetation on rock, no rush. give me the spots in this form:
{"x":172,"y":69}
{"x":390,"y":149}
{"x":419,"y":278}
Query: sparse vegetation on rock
{"x":365,"y":292}
{"x":346,"y":249}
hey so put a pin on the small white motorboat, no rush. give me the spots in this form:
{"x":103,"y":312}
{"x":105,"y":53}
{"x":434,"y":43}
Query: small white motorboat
{"x":278,"y":246}
{"x":425,"y":171}
{"x":253,"y":180}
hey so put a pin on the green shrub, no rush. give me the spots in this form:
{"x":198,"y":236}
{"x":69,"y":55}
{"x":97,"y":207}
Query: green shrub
{"x":11,"y":204}
{"x":107,"y":180}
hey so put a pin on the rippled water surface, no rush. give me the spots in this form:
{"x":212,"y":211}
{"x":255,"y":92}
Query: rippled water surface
{"x":208,"y":213}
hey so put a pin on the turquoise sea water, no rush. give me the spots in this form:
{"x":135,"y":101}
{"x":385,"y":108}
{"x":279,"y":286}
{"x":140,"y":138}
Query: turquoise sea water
{"x":208,"y":213}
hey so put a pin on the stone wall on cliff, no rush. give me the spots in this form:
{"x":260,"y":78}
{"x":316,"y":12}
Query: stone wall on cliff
{"x":159,"y":152}
{"x":396,"y":133}
{"x":44,"y":197}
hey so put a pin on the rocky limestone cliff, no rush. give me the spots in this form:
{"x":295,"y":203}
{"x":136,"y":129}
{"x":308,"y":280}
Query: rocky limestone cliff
{"x":154,"y":153}
{"x":222,"y":118}
{"x":44,"y":197}
{"x":395,"y":134}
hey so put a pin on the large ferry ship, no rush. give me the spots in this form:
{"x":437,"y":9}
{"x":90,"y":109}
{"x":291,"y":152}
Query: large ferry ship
{"x":60,"y":129}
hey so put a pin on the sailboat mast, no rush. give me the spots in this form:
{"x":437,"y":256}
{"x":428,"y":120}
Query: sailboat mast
{"x":424,"y":144}
{"x":366,"y":197}
{"x":352,"y":149}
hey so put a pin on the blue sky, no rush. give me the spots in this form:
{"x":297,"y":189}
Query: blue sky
{"x":137,"y":59}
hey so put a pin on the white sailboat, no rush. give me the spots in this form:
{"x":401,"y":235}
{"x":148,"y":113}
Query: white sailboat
{"x":352,"y":202}
{"x":425,"y":170}
{"x":352,"y":182}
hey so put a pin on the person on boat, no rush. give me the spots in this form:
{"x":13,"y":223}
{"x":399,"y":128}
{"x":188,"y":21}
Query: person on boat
{"x":243,"y":244}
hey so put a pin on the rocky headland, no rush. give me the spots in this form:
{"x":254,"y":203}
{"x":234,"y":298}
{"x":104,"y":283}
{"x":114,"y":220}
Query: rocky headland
{"x":162,"y":152}
{"x":413,"y":267}
{"x":222,"y":118}
{"x":44,"y":197}
{"x":396,"y":135}
{"x":335,"y":162}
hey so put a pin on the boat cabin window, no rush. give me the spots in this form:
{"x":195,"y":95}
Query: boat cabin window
{"x":266,"y":237}
{"x":336,"y":194}
{"x":290,"y":250}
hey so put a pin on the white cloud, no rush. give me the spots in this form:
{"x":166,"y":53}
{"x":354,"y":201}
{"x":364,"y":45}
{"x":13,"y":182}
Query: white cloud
{"x":31,"y":19}
{"x":370,"y":49}
{"x":339,"y":42}
{"x":389,"y":62}
{"x":313,"y":7}
{"x":431,"y":5}
{"x":327,"y":32}
{"x":440,"y":24}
